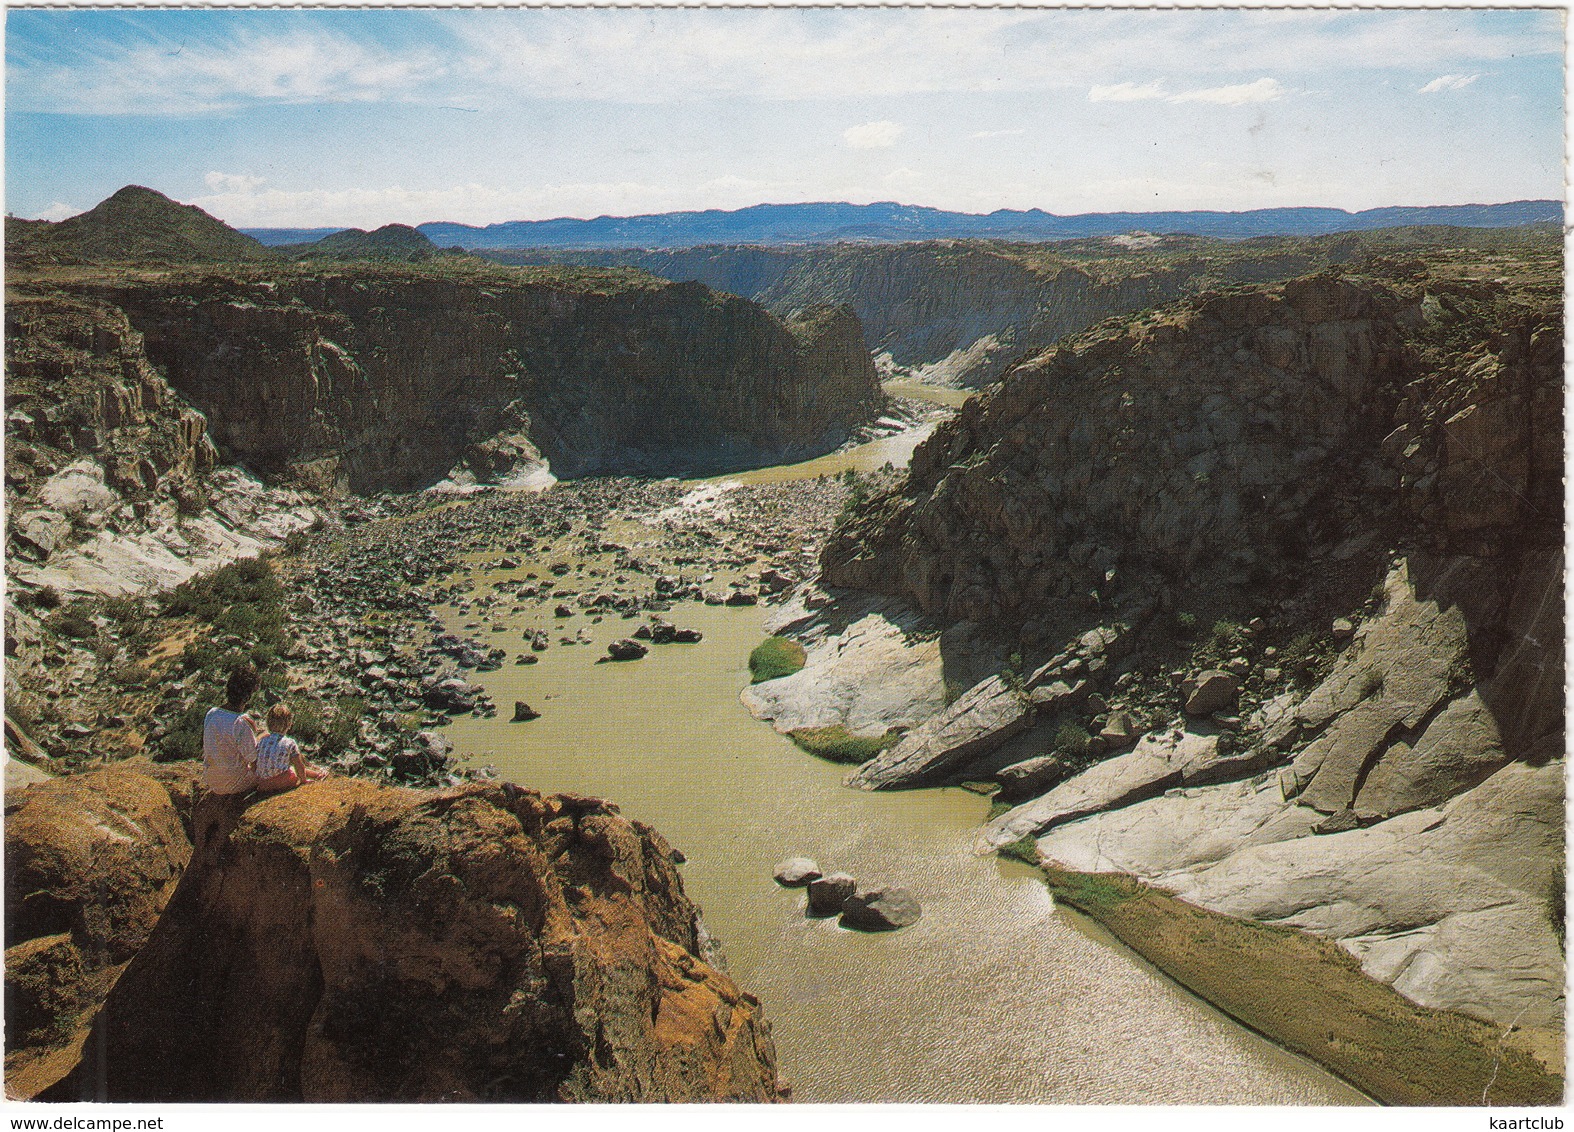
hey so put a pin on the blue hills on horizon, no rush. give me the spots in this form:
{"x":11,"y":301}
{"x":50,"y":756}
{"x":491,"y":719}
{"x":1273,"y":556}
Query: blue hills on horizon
{"x":889,"y":222}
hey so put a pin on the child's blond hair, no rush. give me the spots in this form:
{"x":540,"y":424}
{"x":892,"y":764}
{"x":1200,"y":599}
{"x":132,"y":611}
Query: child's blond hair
{"x":279,"y":717}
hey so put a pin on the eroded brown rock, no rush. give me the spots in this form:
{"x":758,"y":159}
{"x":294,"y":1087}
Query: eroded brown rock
{"x":348,"y":941}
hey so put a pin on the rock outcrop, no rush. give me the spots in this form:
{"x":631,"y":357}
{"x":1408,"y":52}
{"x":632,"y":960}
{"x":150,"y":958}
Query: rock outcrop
{"x":349,"y":941}
{"x":395,"y":378}
{"x":90,"y":863}
{"x":112,"y":483}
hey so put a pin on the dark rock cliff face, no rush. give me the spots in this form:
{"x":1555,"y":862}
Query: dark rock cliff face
{"x":966,"y":308}
{"x":355,"y":942}
{"x":1216,"y":442}
{"x":388,"y":381}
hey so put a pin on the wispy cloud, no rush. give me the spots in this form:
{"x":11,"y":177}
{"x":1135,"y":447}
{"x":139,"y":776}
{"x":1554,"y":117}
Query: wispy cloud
{"x":1128,"y":92}
{"x":873,"y":135}
{"x":1448,"y":82}
{"x":154,"y":74}
{"x":1236,"y":94}
{"x":1239,"y":94}
{"x":193,"y":61}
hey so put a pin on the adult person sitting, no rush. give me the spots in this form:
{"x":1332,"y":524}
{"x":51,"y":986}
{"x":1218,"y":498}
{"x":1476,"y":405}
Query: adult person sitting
{"x":229,"y":737}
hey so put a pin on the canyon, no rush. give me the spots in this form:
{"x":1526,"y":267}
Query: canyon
{"x":1232,"y":598}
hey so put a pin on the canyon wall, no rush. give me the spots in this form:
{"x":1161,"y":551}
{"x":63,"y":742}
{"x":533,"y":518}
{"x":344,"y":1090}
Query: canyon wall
{"x":387,"y":380}
{"x":951,"y":311}
{"x":113,"y":484}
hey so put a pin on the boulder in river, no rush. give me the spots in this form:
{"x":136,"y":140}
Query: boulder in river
{"x":626,"y":648}
{"x":982,"y":719}
{"x":881,"y":909}
{"x":524,"y":712}
{"x":827,"y":894}
{"x":795,"y":872}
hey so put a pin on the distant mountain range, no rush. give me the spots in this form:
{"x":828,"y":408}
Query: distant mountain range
{"x":887,"y":222}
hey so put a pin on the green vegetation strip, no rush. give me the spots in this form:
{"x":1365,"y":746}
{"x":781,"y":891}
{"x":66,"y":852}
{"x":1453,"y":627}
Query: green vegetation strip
{"x":839,"y":745}
{"x":776,"y":657}
{"x":1311,"y":997}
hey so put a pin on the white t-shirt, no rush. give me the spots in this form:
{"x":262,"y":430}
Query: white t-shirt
{"x":229,"y":745}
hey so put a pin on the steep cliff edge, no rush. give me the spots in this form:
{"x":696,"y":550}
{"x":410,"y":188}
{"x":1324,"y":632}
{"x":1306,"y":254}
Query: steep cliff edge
{"x":395,"y":378}
{"x":349,"y":941}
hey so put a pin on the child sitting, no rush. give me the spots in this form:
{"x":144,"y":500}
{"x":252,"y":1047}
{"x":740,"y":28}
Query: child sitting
{"x":280,"y":765}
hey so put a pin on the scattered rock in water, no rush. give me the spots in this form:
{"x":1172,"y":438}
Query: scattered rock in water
{"x":687,"y":636}
{"x":452,"y":695}
{"x":795,"y":872}
{"x":626,"y":648}
{"x":742,"y":597}
{"x":523,"y":712}
{"x":827,"y":894}
{"x":527,"y":658}
{"x":881,"y":909}
{"x":1210,"y":691}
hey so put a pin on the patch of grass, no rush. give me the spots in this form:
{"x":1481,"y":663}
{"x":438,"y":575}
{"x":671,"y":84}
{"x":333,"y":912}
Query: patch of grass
{"x":838,"y":745}
{"x":1093,"y":893}
{"x":776,"y":657}
{"x":997,"y":807}
{"x":1024,"y":849}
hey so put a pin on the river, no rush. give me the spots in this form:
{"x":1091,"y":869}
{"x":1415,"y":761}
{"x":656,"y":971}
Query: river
{"x":995,"y":995}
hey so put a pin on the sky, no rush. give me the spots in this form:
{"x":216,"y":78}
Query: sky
{"x":366,"y":117}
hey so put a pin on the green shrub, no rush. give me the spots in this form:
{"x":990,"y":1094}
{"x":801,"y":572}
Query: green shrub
{"x":328,"y":731}
{"x":46,"y":597}
{"x":1227,"y":635}
{"x":71,"y":623}
{"x":838,"y":745}
{"x":776,"y":657}
{"x":1073,"y":739}
{"x":1185,"y":624}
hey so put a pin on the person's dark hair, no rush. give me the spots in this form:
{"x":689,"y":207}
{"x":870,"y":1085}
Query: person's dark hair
{"x":241,"y":685}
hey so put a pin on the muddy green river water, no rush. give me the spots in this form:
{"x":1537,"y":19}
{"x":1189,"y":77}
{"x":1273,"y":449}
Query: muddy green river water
{"x":995,"y":995}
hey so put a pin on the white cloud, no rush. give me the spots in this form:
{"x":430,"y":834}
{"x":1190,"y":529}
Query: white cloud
{"x":1263,"y":90}
{"x":58,"y":211}
{"x":873,"y":135}
{"x":984,"y":135}
{"x":1448,"y":82}
{"x":1128,"y":92}
{"x":159,"y":76}
{"x":232,"y":182}
{"x":488,"y":57}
